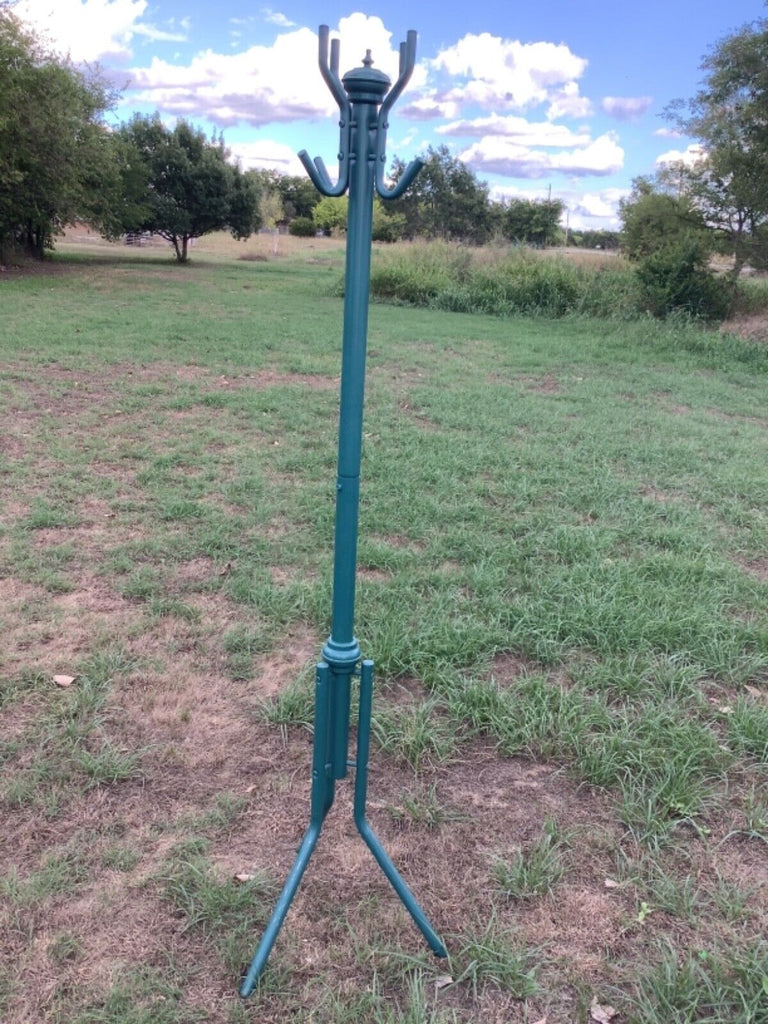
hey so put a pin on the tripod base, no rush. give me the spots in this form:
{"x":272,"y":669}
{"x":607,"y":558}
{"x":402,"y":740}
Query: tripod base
{"x":324,"y":774}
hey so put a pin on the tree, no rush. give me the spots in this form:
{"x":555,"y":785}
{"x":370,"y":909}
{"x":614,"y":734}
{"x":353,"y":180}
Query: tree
{"x":330,"y":214}
{"x":271,"y":209}
{"x":729,"y":116}
{"x":298,"y":194}
{"x":446,"y":200}
{"x":56,"y":156}
{"x":190,"y":188}
{"x":653,"y":217}
{"x":600,"y":238}
{"x":532,"y":221}
{"x":387,"y":226}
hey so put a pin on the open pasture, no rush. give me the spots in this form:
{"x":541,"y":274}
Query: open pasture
{"x":563,"y":581}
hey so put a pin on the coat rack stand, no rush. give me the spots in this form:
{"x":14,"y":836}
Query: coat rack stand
{"x":364,"y":98}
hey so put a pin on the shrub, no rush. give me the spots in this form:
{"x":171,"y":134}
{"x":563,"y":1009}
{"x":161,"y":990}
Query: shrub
{"x":303,"y":227}
{"x":676,"y":277}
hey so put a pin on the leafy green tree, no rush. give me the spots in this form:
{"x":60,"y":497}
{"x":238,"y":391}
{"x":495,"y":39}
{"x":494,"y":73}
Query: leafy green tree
{"x":56,"y":157}
{"x":299,"y":195}
{"x":388,"y":225}
{"x":652,"y":217}
{"x":445,"y":201}
{"x":190,"y":188}
{"x":729,"y":116}
{"x":271,"y":208}
{"x":330,"y":214}
{"x":532,"y":221}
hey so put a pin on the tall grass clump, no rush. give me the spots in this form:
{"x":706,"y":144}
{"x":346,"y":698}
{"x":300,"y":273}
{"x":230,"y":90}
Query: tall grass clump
{"x":751,"y":295}
{"x":506,"y":281}
{"x":502,"y":281}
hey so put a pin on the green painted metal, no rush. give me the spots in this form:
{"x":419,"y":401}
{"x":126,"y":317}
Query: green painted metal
{"x":365,"y":99}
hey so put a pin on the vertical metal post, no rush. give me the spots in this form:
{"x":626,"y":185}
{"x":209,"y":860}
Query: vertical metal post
{"x":363,"y":125}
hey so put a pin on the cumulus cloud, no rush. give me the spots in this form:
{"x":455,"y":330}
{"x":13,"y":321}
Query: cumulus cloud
{"x":668,"y":133}
{"x":505,"y":73}
{"x":626,"y":108}
{"x":689,"y":156}
{"x":257,"y":86}
{"x":517,"y":129}
{"x":499,"y":155}
{"x":90,"y":30}
{"x":263,"y":84}
{"x":602,"y":205}
{"x":568,"y":102}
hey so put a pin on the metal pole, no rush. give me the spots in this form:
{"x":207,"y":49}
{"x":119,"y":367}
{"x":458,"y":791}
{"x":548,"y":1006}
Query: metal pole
{"x":363,"y":125}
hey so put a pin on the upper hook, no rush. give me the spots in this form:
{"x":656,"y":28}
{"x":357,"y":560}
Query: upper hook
{"x":407,"y":64}
{"x":330,"y":72}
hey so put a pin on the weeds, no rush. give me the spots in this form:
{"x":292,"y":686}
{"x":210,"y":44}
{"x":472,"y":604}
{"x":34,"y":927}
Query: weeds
{"x":423,"y":807}
{"x":705,"y":985}
{"x":416,"y":735}
{"x":534,"y":871}
{"x":494,"y":956}
{"x":227,"y":911}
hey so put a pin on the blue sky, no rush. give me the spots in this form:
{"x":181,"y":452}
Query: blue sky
{"x":531,"y":96}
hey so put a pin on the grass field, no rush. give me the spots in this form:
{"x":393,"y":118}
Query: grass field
{"x":563,"y":581}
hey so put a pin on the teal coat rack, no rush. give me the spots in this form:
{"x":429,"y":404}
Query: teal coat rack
{"x":364,"y":98}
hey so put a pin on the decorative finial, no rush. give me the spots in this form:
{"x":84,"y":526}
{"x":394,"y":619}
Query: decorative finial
{"x":368,"y":59}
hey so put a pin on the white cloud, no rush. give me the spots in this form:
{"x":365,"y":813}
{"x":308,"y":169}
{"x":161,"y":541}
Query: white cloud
{"x":505,"y":73}
{"x":429,"y":107}
{"x":597,"y":205}
{"x":519,"y":130}
{"x":689,"y":156}
{"x":276,"y":18}
{"x":90,"y":30}
{"x":158,"y":35}
{"x":498,"y":155}
{"x":263,"y":84}
{"x":264,"y":154}
{"x":668,"y":133}
{"x":567,"y":102}
{"x":257,"y":86}
{"x":626,"y":108}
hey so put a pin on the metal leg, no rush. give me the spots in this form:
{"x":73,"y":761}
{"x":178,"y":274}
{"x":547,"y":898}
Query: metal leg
{"x":321,"y":800}
{"x":365,"y":830}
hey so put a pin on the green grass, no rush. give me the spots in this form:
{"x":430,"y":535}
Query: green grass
{"x":562,"y":549}
{"x":534,"y":871}
{"x":705,"y":986}
{"x":494,"y":956}
{"x":226,"y":911}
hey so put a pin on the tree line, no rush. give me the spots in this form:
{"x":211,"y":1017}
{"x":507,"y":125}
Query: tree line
{"x":60,"y":162}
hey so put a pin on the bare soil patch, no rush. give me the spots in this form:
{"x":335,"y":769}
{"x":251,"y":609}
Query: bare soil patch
{"x":545,"y":385}
{"x":753,"y":328}
{"x":756,"y":567}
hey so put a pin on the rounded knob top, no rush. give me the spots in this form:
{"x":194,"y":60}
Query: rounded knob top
{"x":366,"y":84}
